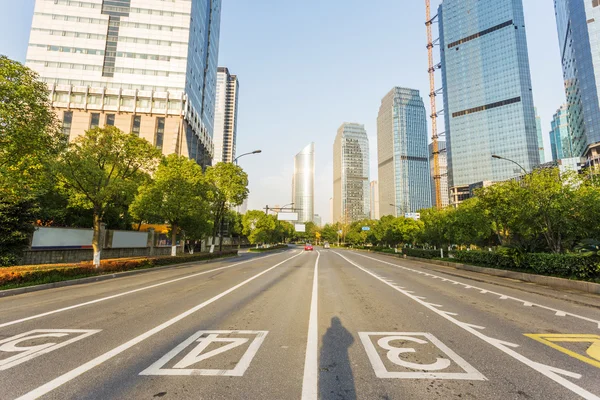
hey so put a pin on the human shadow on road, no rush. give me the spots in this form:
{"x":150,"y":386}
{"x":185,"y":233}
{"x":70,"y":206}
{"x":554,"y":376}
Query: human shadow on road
{"x":336,"y":380}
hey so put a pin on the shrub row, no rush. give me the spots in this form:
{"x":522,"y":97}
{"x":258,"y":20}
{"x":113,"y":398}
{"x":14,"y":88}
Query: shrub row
{"x":13,"y":277}
{"x":262,"y":250}
{"x":422,"y":253}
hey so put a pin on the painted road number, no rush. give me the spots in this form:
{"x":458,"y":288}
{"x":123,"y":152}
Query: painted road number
{"x":210,"y":346}
{"x":396,"y":355}
{"x":591,"y":343}
{"x":26,"y":346}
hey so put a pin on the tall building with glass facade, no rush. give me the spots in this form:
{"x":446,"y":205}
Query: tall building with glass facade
{"x":540,"y":136}
{"x":443,"y":160}
{"x":226,"y":112}
{"x":303,"y":184}
{"x":351,"y":186}
{"x":146,"y":67}
{"x":488,"y":98}
{"x":578,"y":24}
{"x":560,"y":138}
{"x":403,"y":156}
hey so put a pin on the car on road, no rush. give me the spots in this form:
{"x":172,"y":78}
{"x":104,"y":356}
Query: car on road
{"x":308,"y":247}
{"x":326,"y":245}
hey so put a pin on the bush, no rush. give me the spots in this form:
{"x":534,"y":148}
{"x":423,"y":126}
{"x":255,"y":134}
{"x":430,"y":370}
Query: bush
{"x":485,"y":259}
{"x":422,"y":253}
{"x":273,"y":248}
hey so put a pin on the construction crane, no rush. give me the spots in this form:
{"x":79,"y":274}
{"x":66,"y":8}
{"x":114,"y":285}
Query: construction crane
{"x":437,"y":177}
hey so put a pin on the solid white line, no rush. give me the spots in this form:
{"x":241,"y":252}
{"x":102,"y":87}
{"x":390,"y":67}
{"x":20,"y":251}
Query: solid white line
{"x":61,"y":380}
{"x":87,"y":303}
{"x":311,"y":367}
{"x":556,"y":374}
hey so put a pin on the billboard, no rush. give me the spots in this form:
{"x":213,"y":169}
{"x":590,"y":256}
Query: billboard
{"x":300,"y":228}
{"x":415,"y":216}
{"x":287,"y":216}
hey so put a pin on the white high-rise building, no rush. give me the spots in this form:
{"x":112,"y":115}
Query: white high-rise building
{"x":303,"y":184}
{"x":146,"y":67}
{"x":226,"y":112}
{"x":351,"y":174}
{"x":375,"y":200}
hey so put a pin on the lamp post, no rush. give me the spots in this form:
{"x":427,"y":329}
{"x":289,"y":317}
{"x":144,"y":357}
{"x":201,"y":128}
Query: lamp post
{"x":246,"y":154}
{"x":398,"y":208}
{"x":509,"y":160}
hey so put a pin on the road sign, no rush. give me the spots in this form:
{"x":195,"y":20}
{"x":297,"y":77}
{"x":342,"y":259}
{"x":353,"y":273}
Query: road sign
{"x":592,"y":342}
{"x":195,"y":353}
{"x":15,"y":351}
{"x":415,"y":216}
{"x":287,"y":216}
{"x":366,"y":228}
{"x":386,"y":352}
{"x":301,"y":228}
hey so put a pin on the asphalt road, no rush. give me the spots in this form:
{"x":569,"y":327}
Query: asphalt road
{"x":293,"y":325}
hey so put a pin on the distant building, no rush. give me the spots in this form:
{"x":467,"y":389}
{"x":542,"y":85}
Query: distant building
{"x":488,"y":99}
{"x":443,"y":160}
{"x":403,"y":159}
{"x":540,"y":137}
{"x":317,"y":220}
{"x":351,"y":174}
{"x":226,"y":112}
{"x":375,"y":200}
{"x":303,"y":184}
{"x":148,"y":69}
{"x":560,"y":137}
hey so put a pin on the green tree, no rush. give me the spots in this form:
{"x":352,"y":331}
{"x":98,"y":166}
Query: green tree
{"x":230,"y":184}
{"x":103,"y":167}
{"x":178,"y":196}
{"x":258,"y":227}
{"x":329,"y":233}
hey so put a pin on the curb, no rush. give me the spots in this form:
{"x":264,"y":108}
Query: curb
{"x":549,"y":281}
{"x":100,"y":278}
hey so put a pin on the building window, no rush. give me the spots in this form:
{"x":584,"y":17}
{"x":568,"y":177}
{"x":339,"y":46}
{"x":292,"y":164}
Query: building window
{"x":67,"y":122}
{"x":95,"y":120}
{"x":160,"y":132}
{"x":110,"y":119}
{"x":136,"y":124}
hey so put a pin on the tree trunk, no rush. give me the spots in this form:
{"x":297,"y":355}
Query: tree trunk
{"x":96,"y":239}
{"x":173,"y":240}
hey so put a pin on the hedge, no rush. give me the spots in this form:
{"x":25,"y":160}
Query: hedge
{"x":262,"y":250}
{"x":422,"y":253}
{"x":12,"y":277}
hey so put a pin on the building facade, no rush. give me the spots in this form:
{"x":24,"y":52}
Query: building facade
{"x":540,"y":137}
{"x":560,"y":138}
{"x":303,"y":184}
{"x":375,"y":200}
{"x":146,"y":67}
{"x":351,"y":191}
{"x":403,"y":156}
{"x":488,"y":99}
{"x":578,"y":24}
{"x":443,"y":160}
{"x":226,"y":112}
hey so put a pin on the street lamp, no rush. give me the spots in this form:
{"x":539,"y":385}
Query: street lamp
{"x":512,"y":161}
{"x":246,"y":154}
{"x":398,"y":208}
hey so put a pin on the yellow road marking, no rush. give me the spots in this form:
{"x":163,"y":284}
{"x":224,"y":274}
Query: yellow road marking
{"x":593,"y":351}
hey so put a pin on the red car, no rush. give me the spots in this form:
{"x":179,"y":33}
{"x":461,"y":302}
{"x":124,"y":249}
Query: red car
{"x":308,"y":247}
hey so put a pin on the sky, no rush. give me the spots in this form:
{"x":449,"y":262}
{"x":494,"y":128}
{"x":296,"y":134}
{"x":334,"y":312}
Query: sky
{"x":306,"y":67}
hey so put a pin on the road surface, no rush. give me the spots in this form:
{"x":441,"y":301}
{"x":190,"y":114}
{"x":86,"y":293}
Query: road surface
{"x":330,"y":324}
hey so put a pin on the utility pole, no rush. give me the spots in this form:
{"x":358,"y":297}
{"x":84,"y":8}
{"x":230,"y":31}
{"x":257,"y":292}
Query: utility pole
{"x":432,"y":94}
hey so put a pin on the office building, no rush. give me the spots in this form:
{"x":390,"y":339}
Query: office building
{"x":403,"y":156}
{"x":303,"y":184}
{"x":351,"y":190}
{"x":443,"y":160}
{"x":226,"y":112}
{"x":375,"y":200}
{"x":540,"y":136}
{"x":318,"y":220}
{"x":578,"y":26}
{"x":560,"y":138}
{"x":488,"y":98}
{"x":146,"y":67}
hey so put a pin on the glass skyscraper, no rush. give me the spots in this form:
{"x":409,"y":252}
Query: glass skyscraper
{"x":403,"y":156}
{"x":578,"y":24}
{"x":560,"y":138}
{"x":351,"y":186}
{"x":146,"y":67}
{"x":303,"y":184}
{"x":443,"y":160}
{"x":488,"y":99}
{"x":540,"y":137}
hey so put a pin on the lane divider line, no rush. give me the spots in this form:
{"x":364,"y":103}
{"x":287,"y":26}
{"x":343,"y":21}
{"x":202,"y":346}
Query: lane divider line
{"x":486,"y":291}
{"x":310,"y":381}
{"x":87,"y":303}
{"x":555,"y":374}
{"x":61,"y":380}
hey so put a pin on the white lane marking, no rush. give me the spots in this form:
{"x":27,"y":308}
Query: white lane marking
{"x":198,"y":354}
{"x":26,"y":353}
{"x":311,"y":366}
{"x":87,"y":303}
{"x":555,"y":374}
{"x":425,"y":371}
{"x":500,"y":295}
{"x":61,"y":380}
